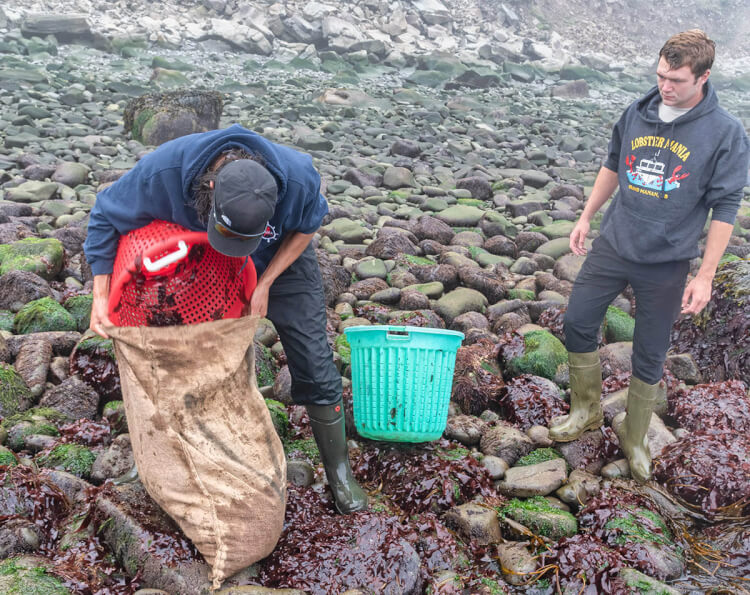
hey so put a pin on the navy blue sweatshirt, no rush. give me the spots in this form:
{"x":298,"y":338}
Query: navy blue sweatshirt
{"x":160,"y":186}
{"x":671,"y":175}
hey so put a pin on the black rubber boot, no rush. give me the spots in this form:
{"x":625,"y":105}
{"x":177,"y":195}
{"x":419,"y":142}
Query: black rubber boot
{"x":327,"y":423}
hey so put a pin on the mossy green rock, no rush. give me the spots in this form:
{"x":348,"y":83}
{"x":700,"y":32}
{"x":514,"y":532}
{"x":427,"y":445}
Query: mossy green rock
{"x":79,"y":307}
{"x":26,"y":575}
{"x":521,"y":294}
{"x":15,"y":396}
{"x":305,"y":448}
{"x":494,"y":224}
{"x":7,"y":458}
{"x":432,"y":289}
{"x":539,"y":455}
{"x":18,"y":433}
{"x":73,"y":458}
{"x":555,"y":248}
{"x":544,"y":354}
{"x":343,"y":349}
{"x":618,"y":326}
{"x":558,"y":229}
{"x":41,"y":315}
{"x":279,"y":417}
{"x":642,"y":584}
{"x":42,"y":256}
{"x":266,"y":367}
{"x":461,"y":216}
{"x":541,"y":517}
{"x":6,"y":320}
{"x":460,"y":301}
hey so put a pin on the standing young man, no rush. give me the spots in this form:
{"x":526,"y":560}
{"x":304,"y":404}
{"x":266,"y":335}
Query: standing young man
{"x":674,"y":156}
{"x":253,"y":197}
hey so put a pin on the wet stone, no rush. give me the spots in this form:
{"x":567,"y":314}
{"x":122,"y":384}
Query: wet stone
{"x":533,"y":480}
{"x":474,"y":523}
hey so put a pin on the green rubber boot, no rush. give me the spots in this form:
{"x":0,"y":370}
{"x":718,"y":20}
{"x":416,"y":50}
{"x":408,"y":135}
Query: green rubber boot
{"x":585,"y":398}
{"x":327,"y":423}
{"x":633,"y":433}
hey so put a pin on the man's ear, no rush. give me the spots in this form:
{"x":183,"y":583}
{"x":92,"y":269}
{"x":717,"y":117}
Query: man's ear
{"x":704,"y":76}
{"x":211,"y":184}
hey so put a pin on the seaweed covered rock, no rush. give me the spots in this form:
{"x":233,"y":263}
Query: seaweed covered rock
{"x":431,"y":477}
{"x":539,"y":516}
{"x":629,"y":523}
{"x":584,"y":564}
{"x":29,"y":574}
{"x":15,"y":396}
{"x":536,"y":352}
{"x":529,"y":400}
{"x":42,"y":256}
{"x":35,"y":421}
{"x":719,"y":406}
{"x":79,"y":307}
{"x":156,"y":118}
{"x":618,"y":325}
{"x":477,"y":378}
{"x":719,"y":337}
{"x":73,"y":458}
{"x":43,"y":315}
{"x":93,"y":361}
{"x":370,"y":550}
{"x":709,"y":471}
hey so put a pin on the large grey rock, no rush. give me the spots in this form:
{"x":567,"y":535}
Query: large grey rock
{"x":115,"y":461}
{"x":242,"y":37}
{"x":18,"y":288}
{"x":156,"y":118}
{"x":533,"y":480}
{"x":72,"y":397}
{"x":466,"y":429}
{"x":461,"y":215}
{"x":32,"y":364}
{"x":476,"y":524}
{"x":517,"y":562}
{"x":458,"y":302}
{"x":506,"y":442}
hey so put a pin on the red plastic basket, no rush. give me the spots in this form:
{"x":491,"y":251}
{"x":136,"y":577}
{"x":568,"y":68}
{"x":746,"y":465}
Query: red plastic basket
{"x":167,"y":275}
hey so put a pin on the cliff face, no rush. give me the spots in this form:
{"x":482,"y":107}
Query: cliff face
{"x":629,"y":28}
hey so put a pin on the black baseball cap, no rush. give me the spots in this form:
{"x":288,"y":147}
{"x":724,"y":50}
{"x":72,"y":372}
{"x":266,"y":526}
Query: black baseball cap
{"x":244,"y":200}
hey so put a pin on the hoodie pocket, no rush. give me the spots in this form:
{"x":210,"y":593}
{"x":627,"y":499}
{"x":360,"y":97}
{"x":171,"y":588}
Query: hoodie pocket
{"x":639,"y":238}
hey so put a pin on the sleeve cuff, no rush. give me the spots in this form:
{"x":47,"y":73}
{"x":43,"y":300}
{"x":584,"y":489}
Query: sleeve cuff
{"x":101,"y":267}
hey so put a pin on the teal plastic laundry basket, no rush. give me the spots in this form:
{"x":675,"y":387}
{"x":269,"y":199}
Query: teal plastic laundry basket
{"x":401,"y":380}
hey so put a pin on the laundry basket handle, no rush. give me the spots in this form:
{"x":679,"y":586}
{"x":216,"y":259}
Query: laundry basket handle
{"x":165,"y":261}
{"x":397,"y":333}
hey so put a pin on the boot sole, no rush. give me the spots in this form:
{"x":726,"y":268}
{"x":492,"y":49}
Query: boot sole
{"x":591,"y":426}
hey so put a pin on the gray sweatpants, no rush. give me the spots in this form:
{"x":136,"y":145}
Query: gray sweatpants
{"x":658,"y":292}
{"x":296,"y":306}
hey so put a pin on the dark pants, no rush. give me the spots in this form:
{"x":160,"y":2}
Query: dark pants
{"x":296,"y":306}
{"x":658,"y":292}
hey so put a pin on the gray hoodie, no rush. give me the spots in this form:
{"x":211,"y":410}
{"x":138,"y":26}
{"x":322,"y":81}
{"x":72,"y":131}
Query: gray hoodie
{"x":671,"y":175}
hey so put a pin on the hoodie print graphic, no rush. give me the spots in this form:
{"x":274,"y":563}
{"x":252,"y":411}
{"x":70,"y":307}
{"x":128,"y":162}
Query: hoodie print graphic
{"x":649,"y":175}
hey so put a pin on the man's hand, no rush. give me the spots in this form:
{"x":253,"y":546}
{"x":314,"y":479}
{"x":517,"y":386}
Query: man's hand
{"x":578,"y":237}
{"x":100,"y":305}
{"x":697,"y":294}
{"x":259,"y":301}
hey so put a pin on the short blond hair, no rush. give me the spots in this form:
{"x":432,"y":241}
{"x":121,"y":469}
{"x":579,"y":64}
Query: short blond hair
{"x":690,"y":48}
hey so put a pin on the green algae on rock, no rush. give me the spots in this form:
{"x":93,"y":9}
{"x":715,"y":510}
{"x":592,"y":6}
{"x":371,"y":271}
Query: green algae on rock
{"x":15,"y":396}
{"x":537,"y":352}
{"x":42,"y":256}
{"x":7,"y":458}
{"x":79,"y":307}
{"x":42,"y":315}
{"x":25,"y":575}
{"x":540,"y":455}
{"x":279,"y":417}
{"x":618,"y":326}
{"x":541,"y":517}
{"x":73,"y":458}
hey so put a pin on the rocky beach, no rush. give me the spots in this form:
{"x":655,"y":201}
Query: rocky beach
{"x":456,"y":142}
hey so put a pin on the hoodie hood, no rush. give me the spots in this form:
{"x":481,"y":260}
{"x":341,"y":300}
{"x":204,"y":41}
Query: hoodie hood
{"x":648,"y":106}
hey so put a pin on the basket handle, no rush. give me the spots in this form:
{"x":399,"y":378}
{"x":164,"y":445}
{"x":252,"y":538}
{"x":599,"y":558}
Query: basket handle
{"x":151,"y":267}
{"x":397,"y":333}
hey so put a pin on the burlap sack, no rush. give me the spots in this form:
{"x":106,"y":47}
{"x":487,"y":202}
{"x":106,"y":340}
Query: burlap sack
{"x":203,"y":440}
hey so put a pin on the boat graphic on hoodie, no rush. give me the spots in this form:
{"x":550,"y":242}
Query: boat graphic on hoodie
{"x":671,"y":176}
